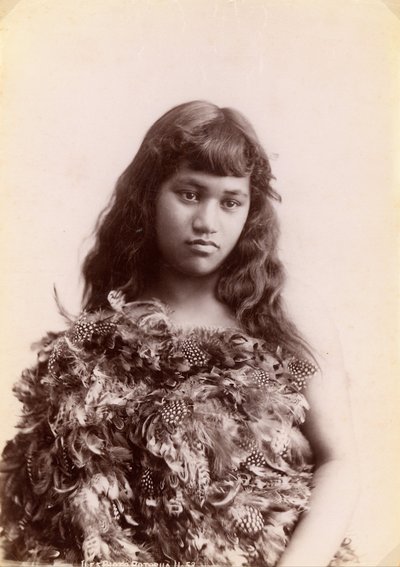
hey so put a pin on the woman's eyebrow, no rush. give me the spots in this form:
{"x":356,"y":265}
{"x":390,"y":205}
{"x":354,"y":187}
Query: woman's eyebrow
{"x":192,"y":182}
{"x":236,"y":193}
{"x":199,"y":185}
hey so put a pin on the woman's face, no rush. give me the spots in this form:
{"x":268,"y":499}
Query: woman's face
{"x":199,"y":219}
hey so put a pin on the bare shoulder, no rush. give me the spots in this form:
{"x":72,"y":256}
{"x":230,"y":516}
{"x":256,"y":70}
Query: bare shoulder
{"x":328,"y":426}
{"x":311,"y":315}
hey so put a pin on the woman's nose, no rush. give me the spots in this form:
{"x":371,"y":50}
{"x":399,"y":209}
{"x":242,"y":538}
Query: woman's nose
{"x":205,"y":219}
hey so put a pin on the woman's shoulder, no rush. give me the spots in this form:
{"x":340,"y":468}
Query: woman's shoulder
{"x":311,"y":315}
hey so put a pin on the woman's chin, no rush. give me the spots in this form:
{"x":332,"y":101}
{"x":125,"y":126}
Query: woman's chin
{"x":196,"y":269}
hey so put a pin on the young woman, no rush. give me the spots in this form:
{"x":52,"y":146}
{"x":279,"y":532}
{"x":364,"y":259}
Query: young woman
{"x":196,"y":411}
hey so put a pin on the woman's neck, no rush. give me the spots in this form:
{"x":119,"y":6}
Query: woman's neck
{"x":192,"y":300}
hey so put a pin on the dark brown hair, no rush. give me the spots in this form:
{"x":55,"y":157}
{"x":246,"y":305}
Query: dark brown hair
{"x":214,"y":140}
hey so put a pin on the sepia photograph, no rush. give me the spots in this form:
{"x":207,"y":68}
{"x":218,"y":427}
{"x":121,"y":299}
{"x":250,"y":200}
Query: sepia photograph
{"x":200,"y":283}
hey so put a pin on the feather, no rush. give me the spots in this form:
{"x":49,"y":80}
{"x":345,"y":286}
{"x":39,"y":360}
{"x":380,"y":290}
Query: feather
{"x":93,"y":547}
{"x":92,"y":442}
{"x":61,"y":309}
{"x":228,"y":498}
{"x":113,"y":397}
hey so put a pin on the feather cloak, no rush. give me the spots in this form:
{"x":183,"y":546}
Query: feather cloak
{"x":139,"y":441}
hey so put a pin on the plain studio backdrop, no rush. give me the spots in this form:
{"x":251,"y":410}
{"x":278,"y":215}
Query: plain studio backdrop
{"x":319,"y":79}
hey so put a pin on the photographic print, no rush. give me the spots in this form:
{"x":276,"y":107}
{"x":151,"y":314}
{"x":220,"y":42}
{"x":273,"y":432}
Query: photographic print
{"x":199,"y":290}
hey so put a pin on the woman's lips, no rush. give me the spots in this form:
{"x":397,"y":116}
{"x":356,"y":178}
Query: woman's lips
{"x":203,"y":246}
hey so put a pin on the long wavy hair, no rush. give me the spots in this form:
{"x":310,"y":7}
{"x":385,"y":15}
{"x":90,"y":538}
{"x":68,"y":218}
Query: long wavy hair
{"x":215,"y":140}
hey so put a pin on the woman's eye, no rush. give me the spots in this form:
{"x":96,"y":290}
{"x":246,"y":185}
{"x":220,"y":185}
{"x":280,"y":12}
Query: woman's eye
{"x":189,"y":196}
{"x":231,"y":204}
